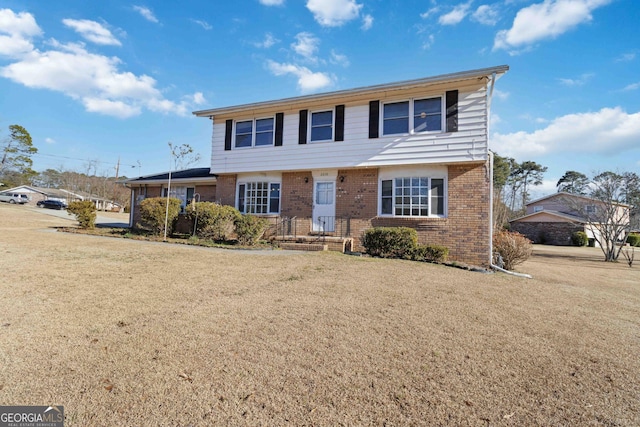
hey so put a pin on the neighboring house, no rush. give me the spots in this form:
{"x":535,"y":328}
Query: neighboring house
{"x":412,"y":153}
{"x":186,"y":185}
{"x":36,"y":194}
{"x":553,"y":219}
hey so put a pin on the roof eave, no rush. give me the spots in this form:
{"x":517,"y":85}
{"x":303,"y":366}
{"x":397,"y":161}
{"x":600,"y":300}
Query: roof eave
{"x":407,"y":84}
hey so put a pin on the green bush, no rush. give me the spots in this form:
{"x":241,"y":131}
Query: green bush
{"x":430,"y":253}
{"x":633,"y":239}
{"x":390,"y":242}
{"x":579,"y":238}
{"x":250,"y":228}
{"x":153,"y":212}
{"x":511,"y":247}
{"x":85,"y":212}
{"x":214,"y":221}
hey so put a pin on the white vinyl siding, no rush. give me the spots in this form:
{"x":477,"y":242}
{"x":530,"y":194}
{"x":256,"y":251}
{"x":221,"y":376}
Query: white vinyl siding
{"x":468,"y":144}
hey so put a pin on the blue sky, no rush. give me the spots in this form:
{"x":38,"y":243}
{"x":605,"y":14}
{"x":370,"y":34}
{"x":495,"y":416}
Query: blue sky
{"x":94,"y":82}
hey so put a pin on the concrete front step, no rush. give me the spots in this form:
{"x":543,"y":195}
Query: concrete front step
{"x":310,"y":247}
{"x":331,"y":243}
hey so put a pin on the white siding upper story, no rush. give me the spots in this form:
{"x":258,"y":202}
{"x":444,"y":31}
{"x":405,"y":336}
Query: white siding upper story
{"x":469,"y":143}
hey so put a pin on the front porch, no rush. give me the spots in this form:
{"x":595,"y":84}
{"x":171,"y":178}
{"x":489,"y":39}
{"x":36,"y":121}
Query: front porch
{"x":328,"y":233}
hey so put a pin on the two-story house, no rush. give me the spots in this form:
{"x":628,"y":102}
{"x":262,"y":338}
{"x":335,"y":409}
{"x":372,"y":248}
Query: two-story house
{"x":411,"y":153}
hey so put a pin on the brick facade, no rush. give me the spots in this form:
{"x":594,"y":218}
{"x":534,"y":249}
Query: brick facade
{"x":226,"y":189}
{"x":548,"y":233}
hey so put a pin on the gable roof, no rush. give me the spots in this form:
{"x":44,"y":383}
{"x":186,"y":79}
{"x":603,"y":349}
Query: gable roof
{"x":407,"y":84}
{"x":188,"y":175}
{"x":571,"y":195}
{"x":562,"y":215}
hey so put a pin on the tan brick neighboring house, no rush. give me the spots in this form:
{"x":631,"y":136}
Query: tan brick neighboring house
{"x":553,"y":219}
{"x":412,"y":153}
{"x":189,"y":184}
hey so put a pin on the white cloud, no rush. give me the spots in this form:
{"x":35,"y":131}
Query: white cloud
{"x":456,"y":15}
{"x":580,"y":81}
{"x":333,"y":13}
{"x":50,"y":140}
{"x":546,"y":20}
{"x":626,"y":57}
{"x":92,"y":31}
{"x":198,"y":98}
{"x":146,"y":13}
{"x":610,"y":130}
{"x":367,"y":22}
{"x":16,"y":32}
{"x":272,"y":2}
{"x":429,"y":42}
{"x":633,"y":86}
{"x":497,"y":93}
{"x":486,"y":15}
{"x":306,"y":45}
{"x":268,"y":41}
{"x":94,"y":80}
{"x":430,"y":12}
{"x":203,"y":24}
{"x":308,"y":81}
{"x":339,"y":59}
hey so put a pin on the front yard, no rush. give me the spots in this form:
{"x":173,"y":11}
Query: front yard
{"x":125,"y":332}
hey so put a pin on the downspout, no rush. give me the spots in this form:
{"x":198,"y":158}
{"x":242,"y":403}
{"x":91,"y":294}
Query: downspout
{"x":495,"y":267}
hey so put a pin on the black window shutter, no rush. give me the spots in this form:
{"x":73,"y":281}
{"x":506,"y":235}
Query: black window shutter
{"x":228,"y":134}
{"x":302,"y":129}
{"x":452,"y":110}
{"x":279,"y":124}
{"x":339,"y":123}
{"x":374,"y":118}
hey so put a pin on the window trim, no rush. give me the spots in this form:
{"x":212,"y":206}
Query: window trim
{"x":270,"y":184}
{"x":310,"y":125}
{"x":411,"y":115}
{"x":254,"y":132}
{"x":429,"y":196}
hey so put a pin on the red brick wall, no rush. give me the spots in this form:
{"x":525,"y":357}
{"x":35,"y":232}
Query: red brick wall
{"x":207,"y":192}
{"x":226,"y":189}
{"x":296,"y":196}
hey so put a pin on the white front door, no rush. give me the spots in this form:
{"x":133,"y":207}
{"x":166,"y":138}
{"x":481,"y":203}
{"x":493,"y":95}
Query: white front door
{"x":324,"y":206}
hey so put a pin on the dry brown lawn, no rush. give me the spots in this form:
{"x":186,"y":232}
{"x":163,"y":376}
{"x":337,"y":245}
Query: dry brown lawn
{"x":132,"y":333}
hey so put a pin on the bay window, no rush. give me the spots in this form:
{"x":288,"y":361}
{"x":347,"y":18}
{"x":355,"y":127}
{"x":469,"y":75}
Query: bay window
{"x":412,"y":197}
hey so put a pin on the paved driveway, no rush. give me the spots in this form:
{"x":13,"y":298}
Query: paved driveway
{"x":103,"y":218}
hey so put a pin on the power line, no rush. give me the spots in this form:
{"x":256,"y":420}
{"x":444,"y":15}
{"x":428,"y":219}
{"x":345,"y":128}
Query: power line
{"x":84,"y":160}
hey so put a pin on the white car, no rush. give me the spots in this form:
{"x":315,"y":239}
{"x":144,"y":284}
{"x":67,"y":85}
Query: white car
{"x":14,"y":198}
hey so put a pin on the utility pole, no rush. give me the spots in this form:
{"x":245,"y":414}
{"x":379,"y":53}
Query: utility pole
{"x":115,"y":183}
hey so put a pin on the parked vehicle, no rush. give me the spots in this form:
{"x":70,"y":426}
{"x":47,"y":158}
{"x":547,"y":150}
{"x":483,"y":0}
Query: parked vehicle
{"x":52,"y":204}
{"x":14,"y":198}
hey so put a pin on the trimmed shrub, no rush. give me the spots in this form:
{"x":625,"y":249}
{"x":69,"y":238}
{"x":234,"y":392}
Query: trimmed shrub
{"x":390,"y":242}
{"x":85,"y":212}
{"x":430,"y":253}
{"x":250,"y":228}
{"x":513,"y":248}
{"x":153,"y":212}
{"x":633,"y":239}
{"x":579,"y":238}
{"x":215,"y":221}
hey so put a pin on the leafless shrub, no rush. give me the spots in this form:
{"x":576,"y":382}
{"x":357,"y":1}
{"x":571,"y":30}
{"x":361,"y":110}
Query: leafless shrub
{"x":511,"y":247}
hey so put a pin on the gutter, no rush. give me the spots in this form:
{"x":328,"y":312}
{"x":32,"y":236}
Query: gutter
{"x":491,"y":264}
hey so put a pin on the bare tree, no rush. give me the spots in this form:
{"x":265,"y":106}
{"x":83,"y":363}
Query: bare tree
{"x":606,"y":214}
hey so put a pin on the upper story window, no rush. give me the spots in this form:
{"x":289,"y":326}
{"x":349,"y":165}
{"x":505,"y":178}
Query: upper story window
{"x":419,"y":115}
{"x":254,"y":133}
{"x":412,"y":196}
{"x":321,"y":126}
{"x":590,"y":209}
{"x":538,"y":208}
